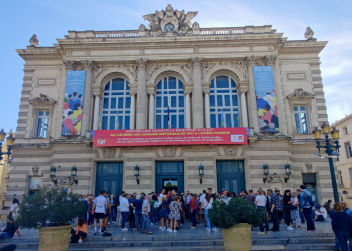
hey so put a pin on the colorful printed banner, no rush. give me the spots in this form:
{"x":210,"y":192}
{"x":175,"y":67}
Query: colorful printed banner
{"x":72,"y":116}
{"x":160,"y":137}
{"x":266,"y":99}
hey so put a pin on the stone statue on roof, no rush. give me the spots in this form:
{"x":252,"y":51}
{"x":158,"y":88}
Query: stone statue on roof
{"x":34,"y":41}
{"x":170,"y":22}
{"x":309,"y":33}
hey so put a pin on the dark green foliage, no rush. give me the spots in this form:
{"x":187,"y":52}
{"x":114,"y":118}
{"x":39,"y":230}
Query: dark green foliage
{"x":237,"y":211}
{"x":54,"y":207}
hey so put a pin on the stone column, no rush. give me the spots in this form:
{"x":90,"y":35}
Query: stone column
{"x":207,"y":108}
{"x":244,"y":108}
{"x":188,"y":109}
{"x":250,"y":62}
{"x":151,"y":110}
{"x":197,"y":98}
{"x":132,"y":109}
{"x":96,"y":111}
{"x":274,"y":62}
{"x":141,"y":97}
{"x":68,"y":65}
{"x":88,"y":66}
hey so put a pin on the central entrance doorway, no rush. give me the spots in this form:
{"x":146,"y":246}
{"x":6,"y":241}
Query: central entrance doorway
{"x":231,"y":176}
{"x":169,"y":175}
{"x":109,"y":178}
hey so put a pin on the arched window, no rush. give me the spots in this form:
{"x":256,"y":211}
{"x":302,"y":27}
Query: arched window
{"x":116,"y":105}
{"x":223,"y":102}
{"x":170,"y":95}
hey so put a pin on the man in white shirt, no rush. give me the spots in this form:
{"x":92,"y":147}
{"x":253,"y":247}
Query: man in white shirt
{"x":162,"y":193}
{"x":99,"y":210}
{"x":124,"y":208}
{"x":201,"y":199}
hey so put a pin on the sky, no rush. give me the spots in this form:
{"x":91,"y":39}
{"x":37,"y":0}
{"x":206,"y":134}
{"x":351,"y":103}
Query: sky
{"x":330,"y":20}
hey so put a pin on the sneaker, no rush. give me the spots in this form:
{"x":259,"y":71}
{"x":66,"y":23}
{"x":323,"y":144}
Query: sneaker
{"x":152,"y":224}
{"x":80,"y":241}
{"x":192,"y":227}
{"x":95,"y":233}
{"x":103,"y":230}
{"x":307,"y":230}
{"x":169,"y":230}
{"x":175,"y":231}
{"x":160,"y":228}
{"x":125,"y":229}
{"x":208,"y":230}
{"x":261,"y":233}
{"x":215,"y":230}
{"x":164,"y":228}
{"x":135,"y":229}
{"x":289,"y":228}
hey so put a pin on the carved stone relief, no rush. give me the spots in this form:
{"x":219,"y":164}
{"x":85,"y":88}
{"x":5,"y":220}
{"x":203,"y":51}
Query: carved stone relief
{"x":99,"y":69}
{"x":109,"y":153}
{"x":230,"y":150}
{"x":35,"y":170}
{"x":300,"y":94}
{"x":309,"y":166}
{"x":169,"y":152}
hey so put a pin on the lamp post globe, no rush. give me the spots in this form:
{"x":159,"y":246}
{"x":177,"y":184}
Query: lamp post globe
{"x":2,"y":135}
{"x":335,"y":133}
{"x":325,"y":127}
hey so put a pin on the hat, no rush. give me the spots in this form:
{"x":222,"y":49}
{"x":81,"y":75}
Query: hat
{"x":224,"y":189}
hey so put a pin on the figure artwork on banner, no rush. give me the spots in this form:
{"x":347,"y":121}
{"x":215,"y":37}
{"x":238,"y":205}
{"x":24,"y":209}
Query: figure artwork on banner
{"x":73,"y":106}
{"x":266,"y":99}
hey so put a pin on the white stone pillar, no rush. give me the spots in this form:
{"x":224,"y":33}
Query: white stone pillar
{"x":274,"y":62}
{"x":207,"y":109}
{"x":244,"y":108}
{"x":141,"y":97}
{"x":96,"y":111}
{"x":151,"y":110}
{"x":188,"y":109}
{"x":88,"y":66}
{"x":132,"y":109}
{"x":197,"y":97}
{"x":252,"y":61}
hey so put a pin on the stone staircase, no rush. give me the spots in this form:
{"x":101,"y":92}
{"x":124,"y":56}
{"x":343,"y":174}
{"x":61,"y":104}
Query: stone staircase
{"x":189,"y":239}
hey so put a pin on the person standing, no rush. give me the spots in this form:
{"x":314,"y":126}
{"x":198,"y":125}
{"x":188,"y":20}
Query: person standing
{"x":137,"y":208}
{"x":90,"y":211}
{"x":275,"y":207}
{"x":295,"y":212}
{"x":201,"y":199}
{"x":349,"y":213}
{"x":107,"y":214}
{"x":118,"y":213}
{"x":301,"y":215}
{"x":154,"y":209}
{"x":287,"y":204}
{"x":112,"y":215}
{"x":305,"y":205}
{"x":341,"y":225}
{"x":187,"y":210}
{"x":327,"y":206}
{"x":131,"y":213}
{"x":193,"y":210}
{"x":124,"y":208}
{"x":174,"y":216}
{"x":14,"y":208}
{"x":163,"y":214}
{"x":146,"y":214}
{"x":208,"y":204}
{"x":99,"y":209}
{"x":260,"y":202}
{"x":250,"y":197}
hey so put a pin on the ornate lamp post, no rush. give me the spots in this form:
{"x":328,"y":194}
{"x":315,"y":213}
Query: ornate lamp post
{"x":201,"y":173}
{"x":9,"y":142}
{"x":330,"y":151}
{"x":136,"y":173}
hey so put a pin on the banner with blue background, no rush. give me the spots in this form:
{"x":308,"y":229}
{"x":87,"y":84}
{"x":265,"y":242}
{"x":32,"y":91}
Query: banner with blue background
{"x":73,"y":106}
{"x":266,"y":99}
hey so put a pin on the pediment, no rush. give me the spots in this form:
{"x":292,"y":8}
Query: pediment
{"x":42,"y":99}
{"x":300,"y":94}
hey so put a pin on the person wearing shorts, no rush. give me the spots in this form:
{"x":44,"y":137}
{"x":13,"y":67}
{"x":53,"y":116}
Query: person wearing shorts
{"x":99,"y":209}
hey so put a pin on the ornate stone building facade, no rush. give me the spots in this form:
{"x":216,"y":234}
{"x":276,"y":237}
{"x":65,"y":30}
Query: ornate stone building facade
{"x":144,"y":63}
{"x":344,"y":165}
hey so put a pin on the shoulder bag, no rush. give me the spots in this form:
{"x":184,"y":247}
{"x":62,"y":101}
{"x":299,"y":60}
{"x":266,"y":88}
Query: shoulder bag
{"x":312,"y":204}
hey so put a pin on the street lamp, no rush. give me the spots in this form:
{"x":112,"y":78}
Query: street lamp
{"x":287,"y":171}
{"x":201,"y":173}
{"x":9,"y":142}
{"x":330,"y":151}
{"x":136,"y":173}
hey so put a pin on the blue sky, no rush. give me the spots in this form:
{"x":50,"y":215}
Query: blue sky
{"x":330,"y":21}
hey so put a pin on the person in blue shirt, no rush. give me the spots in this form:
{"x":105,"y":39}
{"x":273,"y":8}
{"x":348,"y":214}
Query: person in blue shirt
{"x":305,"y":199}
{"x":349,"y":212}
{"x":341,"y":225}
{"x":137,"y":207}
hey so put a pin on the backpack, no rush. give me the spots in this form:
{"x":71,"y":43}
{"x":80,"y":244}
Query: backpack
{"x":156,"y":205}
{"x":106,"y":234}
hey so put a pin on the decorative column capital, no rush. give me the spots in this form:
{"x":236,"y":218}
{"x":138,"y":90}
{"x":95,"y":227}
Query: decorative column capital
{"x":196,"y":61}
{"x":141,"y":63}
{"x":206,"y":91}
{"x":251,"y":60}
{"x":71,"y":65}
{"x":88,"y":64}
{"x":188,"y":92}
{"x":133,"y":94}
{"x":269,"y":60}
{"x":97,"y":94}
{"x":243,"y":91}
{"x":151,"y":93}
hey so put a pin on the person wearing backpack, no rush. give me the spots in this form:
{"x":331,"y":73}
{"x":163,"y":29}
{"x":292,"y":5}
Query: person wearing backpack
{"x":305,"y":205}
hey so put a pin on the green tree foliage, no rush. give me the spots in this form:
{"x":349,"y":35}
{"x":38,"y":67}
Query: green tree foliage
{"x":237,"y":211}
{"x":53,"y":207}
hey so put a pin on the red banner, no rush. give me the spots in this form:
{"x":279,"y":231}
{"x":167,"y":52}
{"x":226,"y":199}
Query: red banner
{"x":160,"y":137}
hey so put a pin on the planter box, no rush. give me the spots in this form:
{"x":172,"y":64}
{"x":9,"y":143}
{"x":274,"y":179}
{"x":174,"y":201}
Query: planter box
{"x":238,"y":238}
{"x":54,"y":238}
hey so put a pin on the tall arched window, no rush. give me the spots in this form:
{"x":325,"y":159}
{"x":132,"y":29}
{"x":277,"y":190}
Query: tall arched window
{"x":169,"y":94}
{"x":223,"y":100}
{"x":116,"y":105}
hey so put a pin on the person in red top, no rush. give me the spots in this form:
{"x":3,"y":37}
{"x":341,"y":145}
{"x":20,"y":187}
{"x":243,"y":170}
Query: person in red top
{"x":168,"y":194}
{"x":193,"y":207}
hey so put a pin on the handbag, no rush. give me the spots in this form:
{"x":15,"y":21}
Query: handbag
{"x":74,"y":238}
{"x":291,"y":207}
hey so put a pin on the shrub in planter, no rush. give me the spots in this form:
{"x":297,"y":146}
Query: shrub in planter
{"x":51,"y":210}
{"x":236,"y":219}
